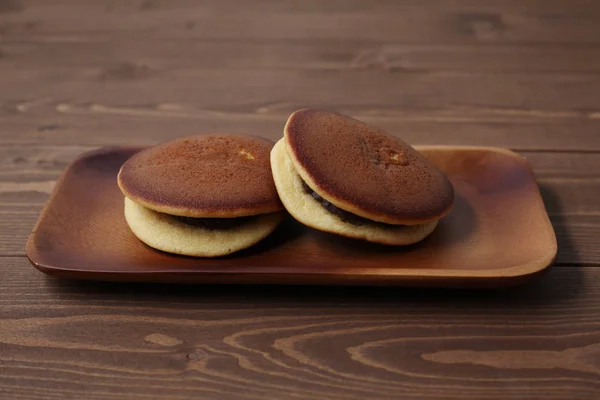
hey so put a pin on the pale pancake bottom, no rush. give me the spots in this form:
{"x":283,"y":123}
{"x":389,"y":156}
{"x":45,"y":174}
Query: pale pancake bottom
{"x":303,"y":207}
{"x":167,"y":233}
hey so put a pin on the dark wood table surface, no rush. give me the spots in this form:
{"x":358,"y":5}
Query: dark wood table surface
{"x":522,"y":74}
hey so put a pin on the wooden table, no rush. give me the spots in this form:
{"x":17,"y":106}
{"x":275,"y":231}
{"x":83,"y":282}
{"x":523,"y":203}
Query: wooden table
{"x":523,"y":74}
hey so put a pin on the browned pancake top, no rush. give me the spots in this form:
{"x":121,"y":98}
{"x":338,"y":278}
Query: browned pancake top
{"x":365,"y":170}
{"x":216,"y":175}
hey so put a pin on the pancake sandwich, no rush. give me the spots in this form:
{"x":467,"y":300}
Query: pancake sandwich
{"x":340,"y":175}
{"x":205,"y":196}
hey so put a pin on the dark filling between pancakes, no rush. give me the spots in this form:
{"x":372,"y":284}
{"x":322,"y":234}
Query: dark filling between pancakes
{"x":216,"y":223}
{"x":343,"y":215}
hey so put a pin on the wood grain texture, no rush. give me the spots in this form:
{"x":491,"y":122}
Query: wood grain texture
{"x":64,"y":339}
{"x":129,"y":86}
{"x":383,"y":21}
{"x":108,"y":126}
{"x":85,"y":79}
{"x":93,"y":53}
{"x":34,"y":162}
{"x":522,"y":74}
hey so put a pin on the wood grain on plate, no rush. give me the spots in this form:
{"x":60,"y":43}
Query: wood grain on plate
{"x":498,"y":232}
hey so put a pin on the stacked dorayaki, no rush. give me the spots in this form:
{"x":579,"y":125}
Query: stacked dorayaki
{"x":215,"y":194}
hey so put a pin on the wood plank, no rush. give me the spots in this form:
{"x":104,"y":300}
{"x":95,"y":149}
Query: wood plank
{"x":162,"y":54}
{"x":343,"y":6}
{"x":456,"y":22}
{"x":564,"y":164}
{"x":36,"y":162}
{"x":134,"y":84}
{"x":108,"y":126}
{"x":316,"y":6}
{"x":73,"y":82}
{"x":91,"y":122}
{"x":30,"y":163}
{"x":58,"y":339}
{"x":578,"y":238}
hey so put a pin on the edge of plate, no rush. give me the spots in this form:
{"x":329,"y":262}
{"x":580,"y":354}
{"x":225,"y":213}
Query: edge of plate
{"x":513,"y":273}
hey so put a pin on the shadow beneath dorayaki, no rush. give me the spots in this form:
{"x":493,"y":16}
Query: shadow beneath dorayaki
{"x":453,"y":228}
{"x":287,"y":231}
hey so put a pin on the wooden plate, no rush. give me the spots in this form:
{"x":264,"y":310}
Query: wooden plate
{"x":498,"y":233}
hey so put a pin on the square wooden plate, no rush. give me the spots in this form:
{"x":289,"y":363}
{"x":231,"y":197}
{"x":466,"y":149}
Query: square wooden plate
{"x":498,"y":233}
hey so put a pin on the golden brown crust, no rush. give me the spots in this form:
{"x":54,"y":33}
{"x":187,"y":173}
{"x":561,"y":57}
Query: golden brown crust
{"x":213,"y":175}
{"x":364,"y":170}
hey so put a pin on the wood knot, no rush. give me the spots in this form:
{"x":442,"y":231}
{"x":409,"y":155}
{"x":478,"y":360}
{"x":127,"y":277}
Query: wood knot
{"x":197,"y":355}
{"x":125,"y":71}
{"x":481,"y":25}
{"x":46,"y":128}
{"x":11,"y":6}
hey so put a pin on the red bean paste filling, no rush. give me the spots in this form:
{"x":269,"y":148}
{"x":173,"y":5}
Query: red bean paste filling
{"x":215,"y":224}
{"x":343,"y":215}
